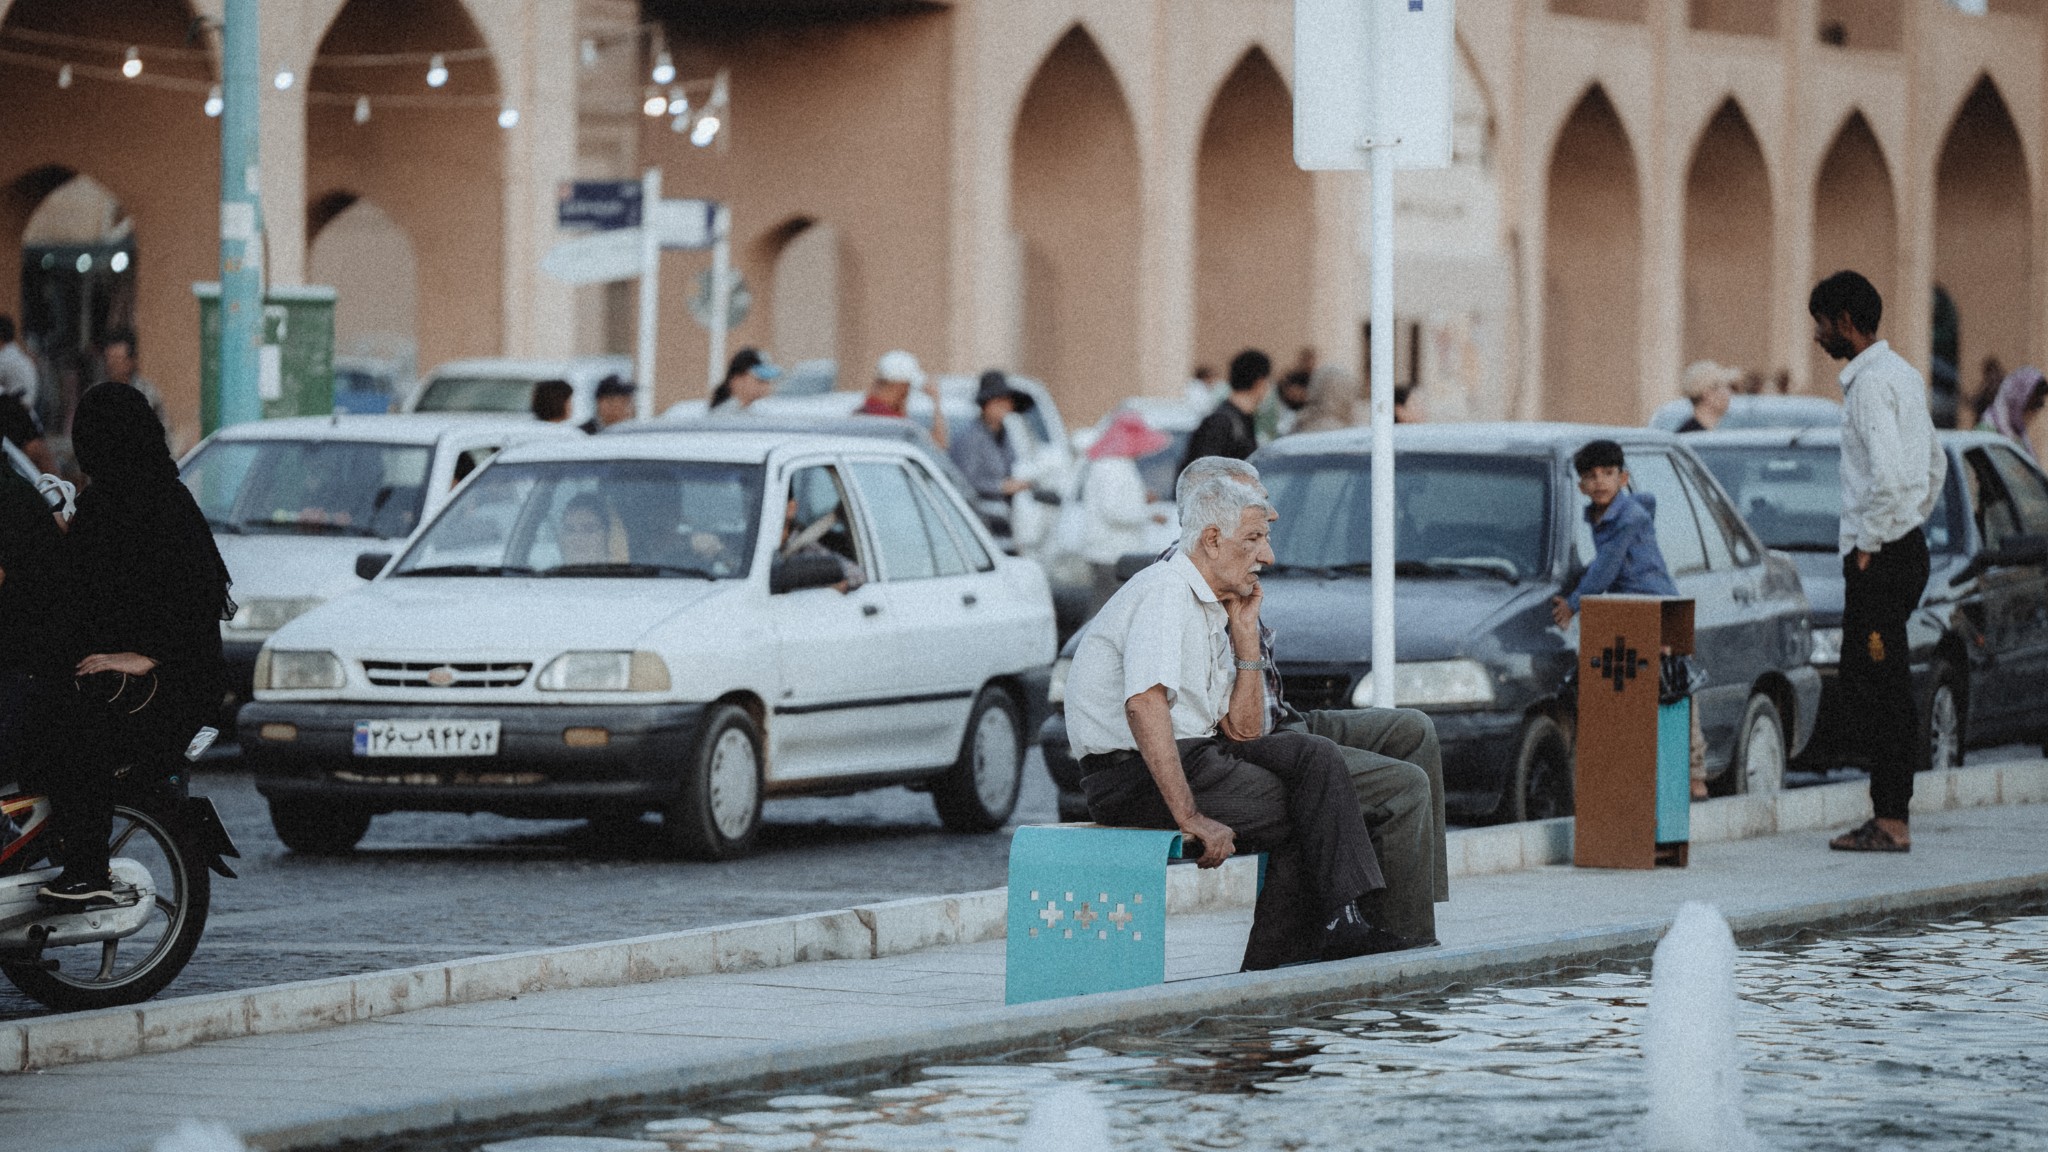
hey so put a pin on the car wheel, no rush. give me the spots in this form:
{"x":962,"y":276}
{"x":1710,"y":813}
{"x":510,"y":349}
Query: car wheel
{"x":1759,"y":764}
{"x":318,"y":827}
{"x":980,"y":791}
{"x":1941,"y":727}
{"x":718,"y":811}
{"x":1541,"y":786}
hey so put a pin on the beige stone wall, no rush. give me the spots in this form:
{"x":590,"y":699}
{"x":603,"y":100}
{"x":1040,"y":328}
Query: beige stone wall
{"x":1101,"y":192}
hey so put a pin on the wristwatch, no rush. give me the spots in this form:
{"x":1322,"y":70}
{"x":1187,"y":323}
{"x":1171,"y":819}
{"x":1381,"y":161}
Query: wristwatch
{"x":1250,"y":665}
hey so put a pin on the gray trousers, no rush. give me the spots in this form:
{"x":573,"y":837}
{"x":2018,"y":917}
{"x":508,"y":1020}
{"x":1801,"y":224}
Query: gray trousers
{"x":1396,"y":768}
{"x":1286,"y":794}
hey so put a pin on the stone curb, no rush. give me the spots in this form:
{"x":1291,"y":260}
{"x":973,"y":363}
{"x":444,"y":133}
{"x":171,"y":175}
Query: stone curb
{"x":902,"y":1049}
{"x":868,"y":931}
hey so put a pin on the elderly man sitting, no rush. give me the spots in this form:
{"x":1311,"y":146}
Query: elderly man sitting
{"x":1166,"y":708}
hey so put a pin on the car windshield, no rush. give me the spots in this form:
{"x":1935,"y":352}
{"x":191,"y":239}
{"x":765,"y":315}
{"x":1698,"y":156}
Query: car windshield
{"x":476,"y":394}
{"x":1454,"y":515}
{"x":310,"y":487}
{"x":1792,"y":495}
{"x":607,"y":518}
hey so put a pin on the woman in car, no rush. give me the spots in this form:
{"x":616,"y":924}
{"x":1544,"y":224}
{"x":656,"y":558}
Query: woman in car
{"x":2013,"y":411}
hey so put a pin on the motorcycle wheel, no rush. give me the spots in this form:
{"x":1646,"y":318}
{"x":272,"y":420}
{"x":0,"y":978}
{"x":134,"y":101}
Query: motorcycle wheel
{"x":134,"y":968}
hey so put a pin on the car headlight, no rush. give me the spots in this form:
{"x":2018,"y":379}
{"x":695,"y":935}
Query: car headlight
{"x":1433,"y":684}
{"x":289,"y":671}
{"x":1827,"y":646}
{"x":268,"y":614}
{"x":604,"y":672}
{"x":1056,"y":691}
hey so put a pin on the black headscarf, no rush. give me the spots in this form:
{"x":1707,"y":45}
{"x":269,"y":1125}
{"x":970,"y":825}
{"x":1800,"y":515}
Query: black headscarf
{"x":146,"y":575}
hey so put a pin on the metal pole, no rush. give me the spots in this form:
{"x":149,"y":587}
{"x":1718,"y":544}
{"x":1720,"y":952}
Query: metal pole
{"x":721,"y":292}
{"x":650,"y":291}
{"x":241,"y":219}
{"x":1382,"y":423}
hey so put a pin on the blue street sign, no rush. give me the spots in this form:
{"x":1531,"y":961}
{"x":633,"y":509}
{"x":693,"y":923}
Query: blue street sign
{"x":600,"y":204}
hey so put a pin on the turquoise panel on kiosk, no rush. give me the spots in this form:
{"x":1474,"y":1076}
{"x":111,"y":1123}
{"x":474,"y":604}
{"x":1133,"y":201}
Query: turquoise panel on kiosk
{"x":1674,"y":772}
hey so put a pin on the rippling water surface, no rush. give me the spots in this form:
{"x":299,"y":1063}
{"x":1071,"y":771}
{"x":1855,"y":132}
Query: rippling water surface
{"x":1935,"y":1038}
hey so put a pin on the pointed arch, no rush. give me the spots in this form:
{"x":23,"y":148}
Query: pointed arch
{"x":1074,"y":208}
{"x":1593,"y":252}
{"x":426,"y":168}
{"x":372,"y":263}
{"x":151,"y":149}
{"x":1728,"y":245}
{"x":1855,"y":222}
{"x":1254,"y":219}
{"x":1983,"y":226}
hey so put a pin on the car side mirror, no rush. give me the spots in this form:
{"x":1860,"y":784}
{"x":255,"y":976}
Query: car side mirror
{"x":1047,"y":497}
{"x":805,"y":570}
{"x":369,"y":564}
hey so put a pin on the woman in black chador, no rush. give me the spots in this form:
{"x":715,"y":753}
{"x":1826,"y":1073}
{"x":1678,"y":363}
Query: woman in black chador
{"x":147,"y":593}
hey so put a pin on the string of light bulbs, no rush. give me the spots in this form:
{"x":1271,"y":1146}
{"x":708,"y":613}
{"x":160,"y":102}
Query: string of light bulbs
{"x":705,"y":120}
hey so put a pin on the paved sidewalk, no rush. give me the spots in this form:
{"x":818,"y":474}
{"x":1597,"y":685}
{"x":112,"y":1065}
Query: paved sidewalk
{"x":555,"y":1049}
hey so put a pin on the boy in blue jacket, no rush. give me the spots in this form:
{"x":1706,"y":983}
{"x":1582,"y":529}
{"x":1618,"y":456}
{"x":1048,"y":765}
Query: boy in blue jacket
{"x":1626,"y":558}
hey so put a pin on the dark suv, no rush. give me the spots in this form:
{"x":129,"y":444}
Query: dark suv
{"x":1490,"y":528}
{"x":1980,"y":636}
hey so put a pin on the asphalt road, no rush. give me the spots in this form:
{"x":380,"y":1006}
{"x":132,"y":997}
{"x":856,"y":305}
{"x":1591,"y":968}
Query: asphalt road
{"x":427,"y":887}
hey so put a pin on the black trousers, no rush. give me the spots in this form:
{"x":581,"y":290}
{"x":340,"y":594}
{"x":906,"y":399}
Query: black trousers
{"x":1876,"y":669}
{"x":1288,"y":794}
{"x":75,"y":746}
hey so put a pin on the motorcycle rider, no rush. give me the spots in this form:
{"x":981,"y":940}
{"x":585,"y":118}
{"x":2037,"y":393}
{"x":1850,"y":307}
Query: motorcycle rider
{"x":31,"y":651}
{"x":147,"y":591}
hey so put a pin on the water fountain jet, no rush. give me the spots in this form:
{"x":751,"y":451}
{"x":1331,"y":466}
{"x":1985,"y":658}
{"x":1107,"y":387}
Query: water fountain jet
{"x":1695,"y":1077}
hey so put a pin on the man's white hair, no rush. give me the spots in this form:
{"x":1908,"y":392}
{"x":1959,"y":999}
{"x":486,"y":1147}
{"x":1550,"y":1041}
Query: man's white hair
{"x":1210,"y":468}
{"x":1219,"y":501}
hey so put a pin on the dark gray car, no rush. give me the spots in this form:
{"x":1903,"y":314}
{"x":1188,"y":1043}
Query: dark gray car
{"x":1980,"y":636}
{"x":1490,"y":528}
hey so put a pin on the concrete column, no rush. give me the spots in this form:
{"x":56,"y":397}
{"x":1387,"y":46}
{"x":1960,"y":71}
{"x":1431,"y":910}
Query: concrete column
{"x":1166,"y":250}
{"x":288,"y":41}
{"x":1909,"y":320}
{"x":1662,"y":159}
{"x":986,"y":305}
{"x":539,"y":80}
{"x":1799,"y":167}
{"x":1522,"y":206}
{"x":1339,"y":289}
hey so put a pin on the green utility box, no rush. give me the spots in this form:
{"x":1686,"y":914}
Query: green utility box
{"x":296,"y":373}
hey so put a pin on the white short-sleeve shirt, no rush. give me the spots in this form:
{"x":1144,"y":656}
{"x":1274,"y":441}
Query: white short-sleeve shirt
{"x":1164,"y":627}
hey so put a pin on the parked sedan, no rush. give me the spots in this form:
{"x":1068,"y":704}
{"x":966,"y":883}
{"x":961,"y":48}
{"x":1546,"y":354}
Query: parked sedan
{"x":1490,"y":528}
{"x":292,"y":502}
{"x":1980,"y":636}
{"x":1757,"y":412}
{"x":682,"y":623}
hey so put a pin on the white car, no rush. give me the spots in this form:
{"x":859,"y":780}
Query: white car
{"x":669,"y":622}
{"x":506,"y":386}
{"x":292,"y":503}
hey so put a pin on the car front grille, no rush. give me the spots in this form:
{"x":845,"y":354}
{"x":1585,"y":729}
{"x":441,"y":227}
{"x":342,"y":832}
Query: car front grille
{"x":437,"y":674}
{"x":1309,"y":692}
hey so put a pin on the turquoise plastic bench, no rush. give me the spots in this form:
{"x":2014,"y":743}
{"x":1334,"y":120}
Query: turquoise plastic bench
{"x":1087,"y":909}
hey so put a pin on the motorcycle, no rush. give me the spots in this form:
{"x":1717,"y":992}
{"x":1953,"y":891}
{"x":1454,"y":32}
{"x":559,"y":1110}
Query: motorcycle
{"x":165,"y":843}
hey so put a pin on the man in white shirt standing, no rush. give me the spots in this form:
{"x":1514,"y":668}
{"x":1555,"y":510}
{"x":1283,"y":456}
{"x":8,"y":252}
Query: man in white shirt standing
{"x":1166,"y":707}
{"x":1892,"y":472}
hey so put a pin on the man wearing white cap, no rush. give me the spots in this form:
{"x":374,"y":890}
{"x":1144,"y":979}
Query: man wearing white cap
{"x":896,"y":373}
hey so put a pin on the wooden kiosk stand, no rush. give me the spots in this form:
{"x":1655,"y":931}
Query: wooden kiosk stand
{"x":1633,"y":783}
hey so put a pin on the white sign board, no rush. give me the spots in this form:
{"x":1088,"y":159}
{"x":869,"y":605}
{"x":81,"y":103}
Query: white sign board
{"x":681,"y":225}
{"x":1373,"y":70}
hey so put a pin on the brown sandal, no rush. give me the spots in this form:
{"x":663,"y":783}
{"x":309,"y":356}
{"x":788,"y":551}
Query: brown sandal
{"x":1871,"y":837}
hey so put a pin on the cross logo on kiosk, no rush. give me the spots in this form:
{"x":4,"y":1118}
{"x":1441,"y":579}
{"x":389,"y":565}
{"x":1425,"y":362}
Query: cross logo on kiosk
{"x":1617,"y":663}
